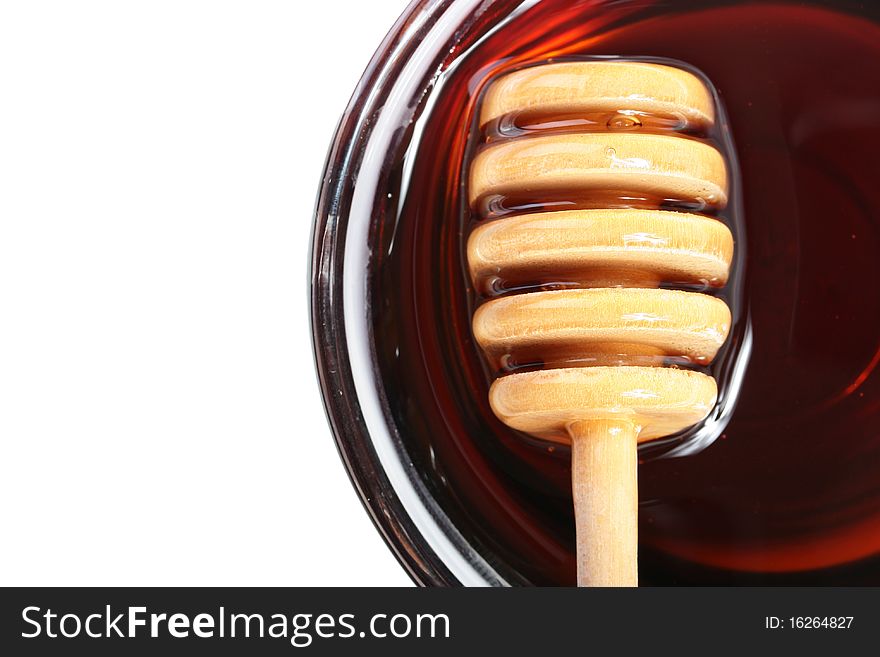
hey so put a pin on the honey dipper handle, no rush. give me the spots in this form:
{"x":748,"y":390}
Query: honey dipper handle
{"x":604,"y":471}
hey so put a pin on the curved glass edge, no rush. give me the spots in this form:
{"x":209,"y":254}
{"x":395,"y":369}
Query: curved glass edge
{"x":419,"y":534}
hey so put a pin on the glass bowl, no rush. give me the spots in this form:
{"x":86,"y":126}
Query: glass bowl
{"x":460,"y":499}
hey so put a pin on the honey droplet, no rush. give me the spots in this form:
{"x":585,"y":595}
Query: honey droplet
{"x":623,"y":122}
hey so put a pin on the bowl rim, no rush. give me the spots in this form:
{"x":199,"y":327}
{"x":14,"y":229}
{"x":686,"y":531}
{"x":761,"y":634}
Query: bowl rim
{"x":418,"y":532}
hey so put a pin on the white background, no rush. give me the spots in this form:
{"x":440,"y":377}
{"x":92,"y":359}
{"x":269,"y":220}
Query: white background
{"x":160,"y":420}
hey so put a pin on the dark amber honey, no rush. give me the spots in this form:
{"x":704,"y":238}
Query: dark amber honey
{"x":790,"y":493}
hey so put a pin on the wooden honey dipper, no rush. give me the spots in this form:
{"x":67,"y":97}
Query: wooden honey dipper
{"x":606,"y":334}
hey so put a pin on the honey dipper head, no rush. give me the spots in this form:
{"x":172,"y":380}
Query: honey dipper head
{"x":587,"y":180}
